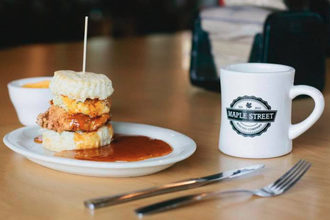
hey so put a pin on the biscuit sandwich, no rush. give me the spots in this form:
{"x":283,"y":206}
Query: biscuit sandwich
{"x":79,"y":115}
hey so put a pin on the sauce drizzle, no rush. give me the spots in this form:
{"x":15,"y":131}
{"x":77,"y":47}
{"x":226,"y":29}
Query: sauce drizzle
{"x":122,"y":148}
{"x":38,"y":140}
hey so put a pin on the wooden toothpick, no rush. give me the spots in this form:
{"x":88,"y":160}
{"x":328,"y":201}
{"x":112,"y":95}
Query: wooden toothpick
{"x":85,"y":45}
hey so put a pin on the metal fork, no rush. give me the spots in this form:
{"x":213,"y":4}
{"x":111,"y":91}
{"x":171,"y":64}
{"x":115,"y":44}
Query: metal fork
{"x":276,"y":188}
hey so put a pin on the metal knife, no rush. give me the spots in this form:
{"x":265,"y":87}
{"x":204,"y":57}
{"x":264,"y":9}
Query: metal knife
{"x":170,"y":187}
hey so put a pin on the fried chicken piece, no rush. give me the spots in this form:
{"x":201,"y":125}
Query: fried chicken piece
{"x":57,"y":119}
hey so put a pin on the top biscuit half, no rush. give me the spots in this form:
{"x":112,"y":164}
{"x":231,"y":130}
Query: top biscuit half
{"x":81,"y":86}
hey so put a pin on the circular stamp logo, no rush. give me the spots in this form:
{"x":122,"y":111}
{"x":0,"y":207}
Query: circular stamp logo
{"x":250,"y":116}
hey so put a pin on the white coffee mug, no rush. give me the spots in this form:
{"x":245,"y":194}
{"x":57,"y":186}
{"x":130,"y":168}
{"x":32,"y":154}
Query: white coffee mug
{"x":256,"y":101}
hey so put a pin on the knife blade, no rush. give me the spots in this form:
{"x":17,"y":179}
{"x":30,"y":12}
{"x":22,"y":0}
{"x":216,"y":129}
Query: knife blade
{"x":170,"y":187}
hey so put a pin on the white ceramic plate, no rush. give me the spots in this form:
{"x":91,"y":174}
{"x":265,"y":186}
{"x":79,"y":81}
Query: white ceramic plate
{"x":21,"y":141}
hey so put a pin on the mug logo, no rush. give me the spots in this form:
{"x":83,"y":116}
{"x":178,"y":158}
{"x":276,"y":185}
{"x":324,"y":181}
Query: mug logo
{"x":250,"y":116}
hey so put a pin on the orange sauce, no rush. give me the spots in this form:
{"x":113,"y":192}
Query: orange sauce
{"x":122,"y":148}
{"x":38,"y":140}
{"x":38,"y":85}
{"x":86,"y":123}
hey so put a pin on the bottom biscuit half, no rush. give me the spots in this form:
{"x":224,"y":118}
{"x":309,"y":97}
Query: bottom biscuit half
{"x":67,"y":140}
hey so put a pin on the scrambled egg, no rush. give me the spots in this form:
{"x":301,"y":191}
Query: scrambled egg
{"x":91,"y":107}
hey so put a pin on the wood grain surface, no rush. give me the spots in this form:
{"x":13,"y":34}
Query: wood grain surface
{"x":150,"y":77}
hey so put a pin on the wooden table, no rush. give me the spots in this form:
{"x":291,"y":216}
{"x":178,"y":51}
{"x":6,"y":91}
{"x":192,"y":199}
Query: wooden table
{"x":150,"y":77}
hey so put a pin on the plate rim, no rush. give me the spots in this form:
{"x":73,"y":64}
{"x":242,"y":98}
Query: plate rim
{"x":97,"y":164}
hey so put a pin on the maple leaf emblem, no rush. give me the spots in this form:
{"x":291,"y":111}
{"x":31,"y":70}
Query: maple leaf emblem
{"x":249,"y":105}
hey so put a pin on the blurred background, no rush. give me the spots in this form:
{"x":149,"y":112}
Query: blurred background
{"x":31,"y":21}
{"x":290,"y":32}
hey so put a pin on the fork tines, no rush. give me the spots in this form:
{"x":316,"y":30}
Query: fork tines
{"x":291,"y":177}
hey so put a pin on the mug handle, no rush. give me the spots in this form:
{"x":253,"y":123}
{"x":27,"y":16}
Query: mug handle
{"x":297,"y":129}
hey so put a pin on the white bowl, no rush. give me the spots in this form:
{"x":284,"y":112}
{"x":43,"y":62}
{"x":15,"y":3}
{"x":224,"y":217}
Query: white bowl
{"x":29,"y":102}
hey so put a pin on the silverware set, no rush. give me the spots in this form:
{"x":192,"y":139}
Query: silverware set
{"x":278,"y":187}
{"x":171,"y":187}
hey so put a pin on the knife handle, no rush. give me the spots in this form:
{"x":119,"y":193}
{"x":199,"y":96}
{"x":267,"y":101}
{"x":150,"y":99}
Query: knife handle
{"x":169,"y":204}
{"x":184,"y":200}
{"x":122,"y":198}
